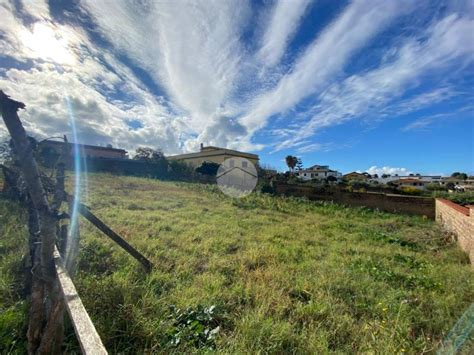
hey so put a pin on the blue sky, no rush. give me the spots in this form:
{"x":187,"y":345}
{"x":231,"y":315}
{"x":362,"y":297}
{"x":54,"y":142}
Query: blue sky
{"x":378,"y":86}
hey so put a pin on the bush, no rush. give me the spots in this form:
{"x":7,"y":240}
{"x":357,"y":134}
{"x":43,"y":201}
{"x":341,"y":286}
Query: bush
{"x":354,"y":185}
{"x":208,"y":168}
{"x":462,"y":198}
{"x":267,"y":188}
{"x":409,"y":190}
{"x":435,"y":187}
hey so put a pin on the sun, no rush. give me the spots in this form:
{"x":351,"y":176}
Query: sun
{"x":46,"y":42}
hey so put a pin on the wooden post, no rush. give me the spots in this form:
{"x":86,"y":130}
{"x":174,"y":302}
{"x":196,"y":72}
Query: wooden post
{"x":53,"y":332}
{"x":31,"y":174}
{"x":43,"y":272}
{"x":114,"y":236}
{"x":86,"y":333}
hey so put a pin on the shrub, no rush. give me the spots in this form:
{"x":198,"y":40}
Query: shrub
{"x":409,"y":190}
{"x":267,"y":188}
{"x":208,"y":168}
{"x":462,"y":198}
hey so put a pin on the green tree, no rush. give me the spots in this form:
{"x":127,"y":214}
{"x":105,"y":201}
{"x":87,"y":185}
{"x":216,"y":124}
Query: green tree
{"x":299,"y":164}
{"x":149,"y":154}
{"x":291,"y":161}
{"x":458,"y":175}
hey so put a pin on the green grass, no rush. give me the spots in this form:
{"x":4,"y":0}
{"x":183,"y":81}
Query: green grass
{"x":261,"y":274}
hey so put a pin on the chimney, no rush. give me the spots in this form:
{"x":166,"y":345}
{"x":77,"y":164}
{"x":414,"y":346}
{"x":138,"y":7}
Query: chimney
{"x":202,"y":146}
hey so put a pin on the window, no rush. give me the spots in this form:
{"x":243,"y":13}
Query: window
{"x":231,"y":163}
{"x":304,"y":174}
{"x":244,"y":164}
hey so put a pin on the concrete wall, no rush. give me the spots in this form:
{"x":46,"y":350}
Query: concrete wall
{"x":414,"y":205}
{"x":458,"y":220}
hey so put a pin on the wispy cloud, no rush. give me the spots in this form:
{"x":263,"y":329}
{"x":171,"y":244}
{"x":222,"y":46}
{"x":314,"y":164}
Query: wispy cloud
{"x":315,"y":147}
{"x":71,"y":69}
{"x":285,"y":18}
{"x":422,"y":123}
{"x":194,"y":71}
{"x":192,"y":50}
{"x":442,"y":44}
{"x":325,"y":57}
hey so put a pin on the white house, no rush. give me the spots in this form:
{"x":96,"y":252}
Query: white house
{"x":317,"y":172}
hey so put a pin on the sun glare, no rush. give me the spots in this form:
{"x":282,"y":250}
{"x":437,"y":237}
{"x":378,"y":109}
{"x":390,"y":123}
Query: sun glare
{"x":45,"y":42}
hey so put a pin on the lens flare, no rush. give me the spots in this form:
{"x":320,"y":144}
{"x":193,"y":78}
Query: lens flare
{"x":79,"y":171}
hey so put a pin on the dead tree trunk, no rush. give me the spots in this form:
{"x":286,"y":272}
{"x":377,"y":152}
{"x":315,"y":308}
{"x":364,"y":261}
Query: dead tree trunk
{"x":43,"y":273}
{"x":53,"y":331}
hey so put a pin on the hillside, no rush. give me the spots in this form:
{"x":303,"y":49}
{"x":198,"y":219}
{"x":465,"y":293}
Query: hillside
{"x":257,"y":274}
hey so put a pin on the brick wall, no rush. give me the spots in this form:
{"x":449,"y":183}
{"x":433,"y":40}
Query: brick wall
{"x":415,"y":205}
{"x":458,"y":220}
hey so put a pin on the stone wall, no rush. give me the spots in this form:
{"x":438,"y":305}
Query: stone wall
{"x":460,"y":221}
{"x":414,"y":205}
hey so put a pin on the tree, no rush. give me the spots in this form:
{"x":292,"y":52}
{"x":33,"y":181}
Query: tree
{"x":291,"y":161}
{"x":458,"y":175}
{"x":149,"y":154}
{"x":331,"y":178}
{"x":375,"y":176}
{"x":299,"y":164}
{"x":384,"y":176}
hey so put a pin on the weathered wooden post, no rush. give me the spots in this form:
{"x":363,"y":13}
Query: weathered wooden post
{"x":43,"y":269}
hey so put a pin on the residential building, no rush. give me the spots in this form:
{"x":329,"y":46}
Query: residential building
{"x":410,"y":182}
{"x":213,"y":154}
{"x":317,"y":172}
{"x":54,"y":148}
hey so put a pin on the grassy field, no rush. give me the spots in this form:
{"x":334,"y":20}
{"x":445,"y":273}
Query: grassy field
{"x":260,"y":274}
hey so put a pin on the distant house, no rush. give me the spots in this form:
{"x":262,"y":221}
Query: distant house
{"x":317,"y":172}
{"x":410,"y":182}
{"x":456,"y":183}
{"x":355,"y":176}
{"x":213,"y":154}
{"x":88,"y":151}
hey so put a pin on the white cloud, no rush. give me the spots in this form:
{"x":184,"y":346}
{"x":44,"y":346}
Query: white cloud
{"x":315,"y":147}
{"x":446,"y":42}
{"x":192,"y":50}
{"x":285,"y":18}
{"x":67,"y":67}
{"x":325,"y":57}
{"x":388,"y":170}
{"x":424,"y":122}
{"x":217,"y":88}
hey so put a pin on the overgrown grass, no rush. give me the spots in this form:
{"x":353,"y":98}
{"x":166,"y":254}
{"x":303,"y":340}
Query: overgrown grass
{"x":13,"y":307}
{"x":260,"y":274}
